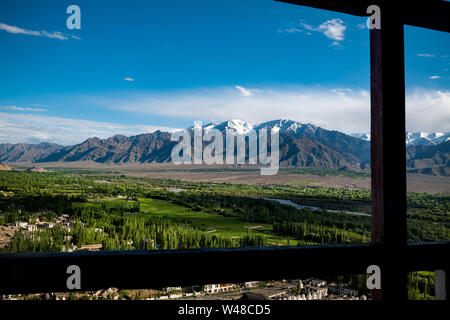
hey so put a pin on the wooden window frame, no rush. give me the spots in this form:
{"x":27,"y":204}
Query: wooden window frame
{"x":46,"y":272}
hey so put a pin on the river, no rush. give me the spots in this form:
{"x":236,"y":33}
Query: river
{"x":299,"y":206}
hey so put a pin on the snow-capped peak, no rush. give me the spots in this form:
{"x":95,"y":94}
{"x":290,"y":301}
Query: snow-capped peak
{"x":426,"y":138}
{"x":283,"y":125}
{"x":364,"y":136}
{"x":235,"y":125}
{"x":415,"y":138}
{"x":238,"y":126}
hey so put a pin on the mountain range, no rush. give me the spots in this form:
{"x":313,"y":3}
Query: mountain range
{"x":26,"y":152}
{"x":416,"y":138}
{"x":301,"y":145}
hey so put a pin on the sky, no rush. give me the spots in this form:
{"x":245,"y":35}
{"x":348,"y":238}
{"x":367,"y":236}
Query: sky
{"x":139,"y":66}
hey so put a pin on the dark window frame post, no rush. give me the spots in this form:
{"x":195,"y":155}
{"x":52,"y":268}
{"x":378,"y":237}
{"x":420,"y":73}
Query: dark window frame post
{"x":388,"y":156}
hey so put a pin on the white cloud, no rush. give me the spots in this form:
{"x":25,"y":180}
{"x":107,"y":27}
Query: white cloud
{"x":426,"y":55}
{"x":55,"y":35}
{"x":32,"y":128}
{"x":129,"y":79}
{"x":13,"y":29}
{"x":333,"y":29}
{"x":428,"y":110}
{"x":244,"y":92}
{"x":342,"y":91}
{"x":52,"y":35}
{"x":435,"y":77}
{"x":342,"y":109}
{"x":361,"y":26}
{"x":308,"y":26}
{"x":292,"y":30}
{"x":27,"y":109}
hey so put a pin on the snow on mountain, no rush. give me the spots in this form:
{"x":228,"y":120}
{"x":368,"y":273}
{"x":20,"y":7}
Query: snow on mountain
{"x":428,"y":139}
{"x":301,"y":145}
{"x":284,"y":125}
{"x":415,"y":138}
{"x":290,"y":126}
{"x":235,"y":125}
{"x":364,"y":136}
{"x":242,"y":127}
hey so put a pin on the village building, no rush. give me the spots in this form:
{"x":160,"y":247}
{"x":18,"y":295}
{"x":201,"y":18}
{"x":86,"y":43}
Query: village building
{"x":217,"y":288}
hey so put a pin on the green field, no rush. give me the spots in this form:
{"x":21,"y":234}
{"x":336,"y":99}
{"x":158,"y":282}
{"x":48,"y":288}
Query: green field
{"x":214,"y":224}
{"x":225,"y":226}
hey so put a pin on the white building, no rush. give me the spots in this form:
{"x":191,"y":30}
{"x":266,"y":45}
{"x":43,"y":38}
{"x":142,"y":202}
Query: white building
{"x":251,"y":284}
{"x":217,"y":288}
{"x":318,"y":283}
{"x":23,"y":225}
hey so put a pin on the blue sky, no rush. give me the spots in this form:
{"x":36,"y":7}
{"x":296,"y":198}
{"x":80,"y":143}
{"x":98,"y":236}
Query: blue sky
{"x":137,"y":66}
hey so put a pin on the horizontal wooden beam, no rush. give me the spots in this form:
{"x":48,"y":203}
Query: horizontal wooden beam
{"x":431,"y":14}
{"x":353,"y":7}
{"x":47,"y":272}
